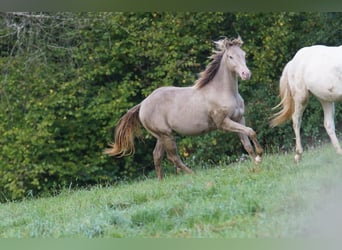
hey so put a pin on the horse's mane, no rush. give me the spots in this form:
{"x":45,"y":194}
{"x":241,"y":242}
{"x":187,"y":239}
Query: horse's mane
{"x":210,"y":71}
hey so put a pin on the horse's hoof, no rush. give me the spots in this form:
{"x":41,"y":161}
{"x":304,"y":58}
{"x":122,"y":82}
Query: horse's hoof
{"x":257,"y":159}
{"x":297,"y":158}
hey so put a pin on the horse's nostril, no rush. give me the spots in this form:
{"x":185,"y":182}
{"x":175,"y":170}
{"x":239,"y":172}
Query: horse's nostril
{"x":245,"y":75}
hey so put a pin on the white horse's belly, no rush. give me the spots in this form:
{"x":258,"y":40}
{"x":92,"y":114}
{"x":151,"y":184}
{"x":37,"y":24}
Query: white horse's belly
{"x":320,"y":69}
{"x":327,"y":85}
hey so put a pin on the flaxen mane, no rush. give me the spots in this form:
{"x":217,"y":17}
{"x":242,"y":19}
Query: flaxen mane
{"x":208,"y":74}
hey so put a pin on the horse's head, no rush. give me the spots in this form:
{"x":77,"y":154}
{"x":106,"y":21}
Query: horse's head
{"x":234,"y":56}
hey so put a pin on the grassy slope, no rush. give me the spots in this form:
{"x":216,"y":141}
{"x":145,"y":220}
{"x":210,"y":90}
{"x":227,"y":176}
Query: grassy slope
{"x":275,"y":199}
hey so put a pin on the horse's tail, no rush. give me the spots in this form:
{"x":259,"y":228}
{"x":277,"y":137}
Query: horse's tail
{"x":286,"y":101}
{"x":127,"y":126}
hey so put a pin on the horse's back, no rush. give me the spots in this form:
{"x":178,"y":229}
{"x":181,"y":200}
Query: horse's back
{"x":155,"y":106}
{"x":178,"y":109}
{"x":164,"y":99}
{"x":318,"y":56}
{"x":318,"y":69}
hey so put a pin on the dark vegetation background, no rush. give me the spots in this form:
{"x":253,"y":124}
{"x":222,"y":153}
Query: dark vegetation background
{"x":66,"y":79}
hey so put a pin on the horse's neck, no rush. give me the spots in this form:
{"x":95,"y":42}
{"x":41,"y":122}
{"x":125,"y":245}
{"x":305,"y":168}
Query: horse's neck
{"x":225,"y":82}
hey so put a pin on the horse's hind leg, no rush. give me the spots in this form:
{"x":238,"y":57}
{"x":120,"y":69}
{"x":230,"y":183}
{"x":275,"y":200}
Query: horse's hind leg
{"x":299,"y":107}
{"x":171,"y":151}
{"x":329,"y":113}
{"x":158,"y":154}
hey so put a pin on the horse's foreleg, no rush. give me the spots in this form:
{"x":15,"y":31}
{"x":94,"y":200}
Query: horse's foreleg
{"x":171,"y":151}
{"x":158,"y":154}
{"x":247,"y":144}
{"x":244,"y":132}
{"x":329,"y":124}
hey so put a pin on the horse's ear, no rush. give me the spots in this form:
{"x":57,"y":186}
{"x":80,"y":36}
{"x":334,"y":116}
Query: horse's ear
{"x":239,"y":40}
{"x":221,"y":44}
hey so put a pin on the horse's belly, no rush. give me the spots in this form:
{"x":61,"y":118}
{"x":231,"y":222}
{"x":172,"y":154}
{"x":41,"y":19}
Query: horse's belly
{"x":324,"y":77}
{"x":328,"y":86}
{"x":192,"y":127}
{"x":333,"y":93}
{"x":330,"y":93}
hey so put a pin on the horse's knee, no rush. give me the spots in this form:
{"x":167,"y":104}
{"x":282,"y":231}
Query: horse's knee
{"x":251,"y":133}
{"x":330,"y":128}
{"x":327,"y":125}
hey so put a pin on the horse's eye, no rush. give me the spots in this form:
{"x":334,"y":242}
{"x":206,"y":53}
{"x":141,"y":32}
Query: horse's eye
{"x":230,"y":57}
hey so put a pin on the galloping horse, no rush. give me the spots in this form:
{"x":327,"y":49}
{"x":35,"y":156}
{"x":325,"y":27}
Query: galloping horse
{"x":213,"y":102}
{"x":316,"y":70}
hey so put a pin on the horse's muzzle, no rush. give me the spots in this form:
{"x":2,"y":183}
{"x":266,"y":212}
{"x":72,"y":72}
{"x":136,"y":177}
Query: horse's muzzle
{"x":245,"y":74}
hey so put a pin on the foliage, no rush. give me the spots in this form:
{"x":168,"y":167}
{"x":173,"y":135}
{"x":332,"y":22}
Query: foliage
{"x":66,"y":79}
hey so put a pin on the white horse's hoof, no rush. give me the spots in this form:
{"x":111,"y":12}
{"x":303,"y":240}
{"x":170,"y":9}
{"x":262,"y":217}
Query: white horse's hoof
{"x":297,"y":158}
{"x":257,"y":159}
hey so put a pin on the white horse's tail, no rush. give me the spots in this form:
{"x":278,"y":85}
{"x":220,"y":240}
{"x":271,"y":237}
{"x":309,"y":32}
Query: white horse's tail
{"x":286,"y":101}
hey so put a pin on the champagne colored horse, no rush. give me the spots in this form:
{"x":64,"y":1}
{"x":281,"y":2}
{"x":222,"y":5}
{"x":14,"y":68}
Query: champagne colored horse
{"x":213,"y":102}
{"x":316,"y":70}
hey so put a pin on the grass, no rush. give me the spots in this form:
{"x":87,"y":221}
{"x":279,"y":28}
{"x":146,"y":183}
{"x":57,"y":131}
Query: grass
{"x":275,"y":199}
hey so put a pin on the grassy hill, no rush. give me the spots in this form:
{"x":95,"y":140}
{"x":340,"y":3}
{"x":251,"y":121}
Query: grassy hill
{"x":276,"y":199}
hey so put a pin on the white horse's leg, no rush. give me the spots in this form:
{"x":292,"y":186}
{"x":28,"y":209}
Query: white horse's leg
{"x":296,"y":124}
{"x":329,"y":124}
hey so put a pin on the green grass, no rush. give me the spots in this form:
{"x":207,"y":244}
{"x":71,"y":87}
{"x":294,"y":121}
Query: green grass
{"x":275,"y":199}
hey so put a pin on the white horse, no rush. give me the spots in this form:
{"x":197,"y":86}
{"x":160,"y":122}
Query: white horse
{"x":316,"y":70}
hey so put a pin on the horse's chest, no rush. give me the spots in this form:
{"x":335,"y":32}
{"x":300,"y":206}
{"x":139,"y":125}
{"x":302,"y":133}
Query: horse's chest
{"x":237,"y":113}
{"x":234,"y":109}
{"x":234,"y":113}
